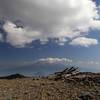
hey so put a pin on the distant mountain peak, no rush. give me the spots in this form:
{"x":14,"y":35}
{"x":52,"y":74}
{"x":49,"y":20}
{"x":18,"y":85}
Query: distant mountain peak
{"x":13,"y":76}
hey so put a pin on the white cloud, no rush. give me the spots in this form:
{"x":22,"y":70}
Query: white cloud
{"x":50,"y":60}
{"x":48,"y":19}
{"x":61,"y":41}
{"x":18,"y":36}
{"x":88,"y":64}
{"x":83,"y":41}
{"x":44,"y":41}
{"x":1,"y":38}
{"x":93,"y":63}
{"x":95,"y":25}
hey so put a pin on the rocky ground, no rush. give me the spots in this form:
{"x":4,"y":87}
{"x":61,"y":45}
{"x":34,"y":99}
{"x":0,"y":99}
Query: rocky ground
{"x":83,"y":86}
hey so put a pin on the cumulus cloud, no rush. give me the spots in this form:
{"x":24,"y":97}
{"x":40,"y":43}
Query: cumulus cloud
{"x":48,"y":19}
{"x":50,"y":60}
{"x":18,"y":36}
{"x":83,"y":41}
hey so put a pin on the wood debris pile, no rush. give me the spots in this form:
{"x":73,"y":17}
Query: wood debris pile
{"x":68,"y":72}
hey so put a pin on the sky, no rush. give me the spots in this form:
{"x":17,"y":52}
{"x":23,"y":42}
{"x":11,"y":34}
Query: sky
{"x":50,"y":33}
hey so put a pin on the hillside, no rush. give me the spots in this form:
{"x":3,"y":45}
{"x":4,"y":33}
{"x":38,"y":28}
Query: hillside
{"x":13,"y":76}
{"x":77,"y":86}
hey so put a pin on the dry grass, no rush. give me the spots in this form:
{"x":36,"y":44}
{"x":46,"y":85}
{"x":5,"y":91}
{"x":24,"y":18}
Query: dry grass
{"x":47,"y":89}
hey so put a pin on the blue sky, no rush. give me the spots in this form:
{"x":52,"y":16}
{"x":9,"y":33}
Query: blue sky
{"x":14,"y":51}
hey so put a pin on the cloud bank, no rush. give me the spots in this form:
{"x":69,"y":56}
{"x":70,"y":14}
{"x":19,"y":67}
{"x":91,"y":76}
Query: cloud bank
{"x":51,"y":60}
{"x":83,"y":41}
{"x":45,"y":19}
